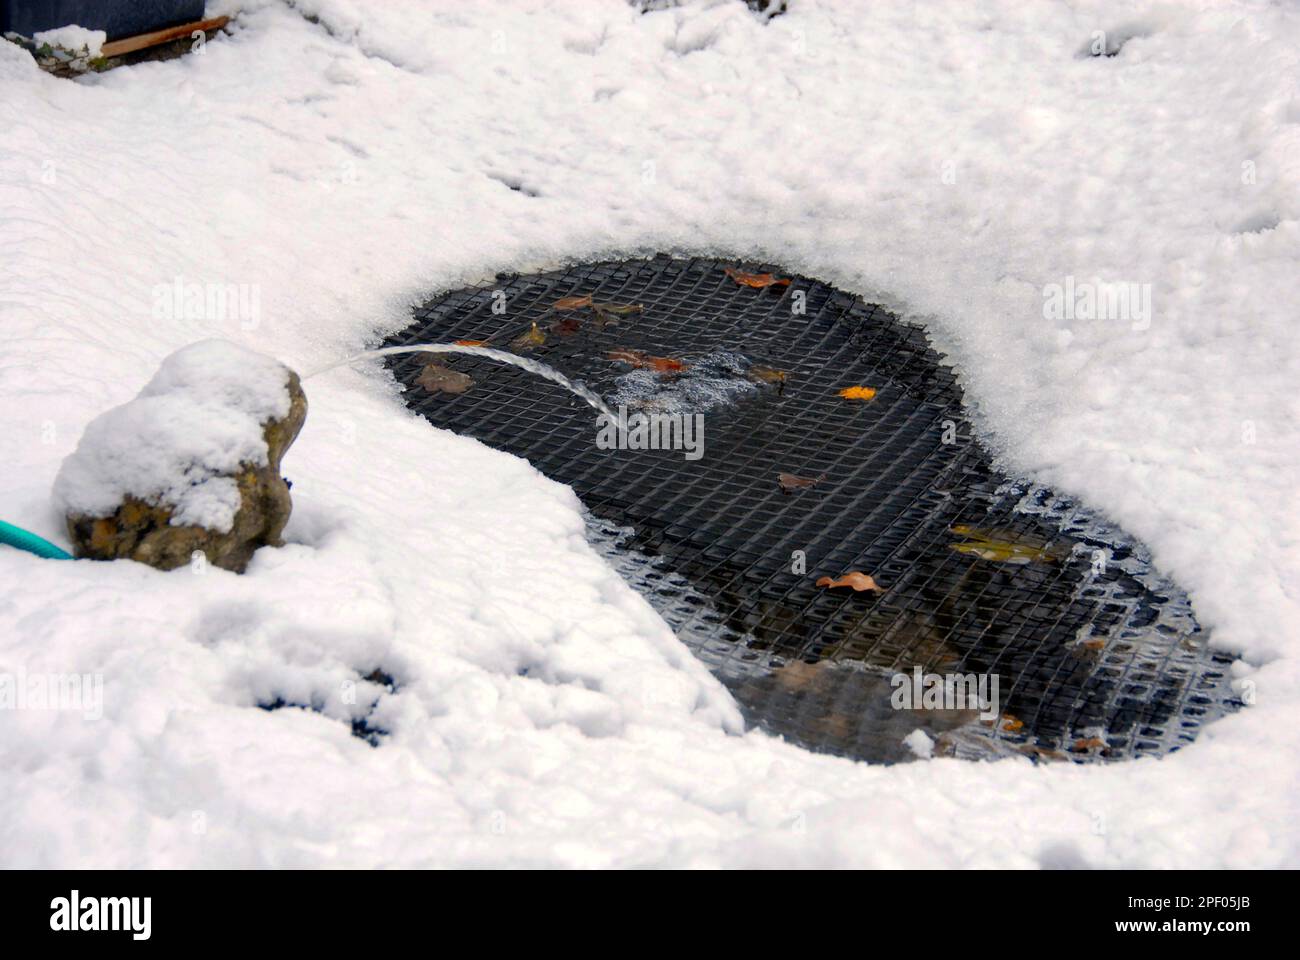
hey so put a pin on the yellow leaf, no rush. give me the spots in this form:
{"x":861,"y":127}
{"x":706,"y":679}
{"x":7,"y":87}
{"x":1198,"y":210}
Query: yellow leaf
{"x":533,"y":338}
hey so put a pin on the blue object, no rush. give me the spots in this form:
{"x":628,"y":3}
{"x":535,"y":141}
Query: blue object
{"x":117,"y":18}
{"x":23,"y":540}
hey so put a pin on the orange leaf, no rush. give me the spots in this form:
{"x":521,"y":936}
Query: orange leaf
{"x":756,"y":280}
{"x":1083,"y":746}
{"x":1010,"y":723}
{"x":471,"y":343}
{"x":858,"y":393}
{"x":573,"y":303}
{"x":856,"y":579}
{"x":643,"y":361}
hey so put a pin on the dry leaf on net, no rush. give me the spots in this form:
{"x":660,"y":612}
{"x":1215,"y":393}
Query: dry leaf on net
{"x":789,"y":482}
{"x":854,"y":578}
{"x":755,"y":280}
{"x":643,"y":361}
{"x":858,"y":393}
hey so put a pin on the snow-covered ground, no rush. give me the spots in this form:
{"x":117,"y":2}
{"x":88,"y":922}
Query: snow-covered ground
{"x":334,"y":161}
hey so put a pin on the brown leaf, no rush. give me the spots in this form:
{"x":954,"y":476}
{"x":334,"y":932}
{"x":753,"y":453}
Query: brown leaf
{"x":439,"y":379}
{"x":566,"y":327}
{"x":756,"y":280}
{"x":1092,"y":743}
{"x":470,"y":343}
{"x":646,"y":362}
{"x":573,"y":303}
{"x":854,"y":578}
{"x":1011,"y":724}
{"x":790,"y":483}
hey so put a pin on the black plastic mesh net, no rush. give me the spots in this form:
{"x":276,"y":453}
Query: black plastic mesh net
{"x":1094,"y":654}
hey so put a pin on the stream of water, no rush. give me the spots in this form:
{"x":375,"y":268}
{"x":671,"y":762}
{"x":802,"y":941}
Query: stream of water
{"x":532,"y":366}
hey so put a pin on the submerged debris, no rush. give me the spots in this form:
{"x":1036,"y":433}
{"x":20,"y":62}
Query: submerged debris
{"x":436,"y":378}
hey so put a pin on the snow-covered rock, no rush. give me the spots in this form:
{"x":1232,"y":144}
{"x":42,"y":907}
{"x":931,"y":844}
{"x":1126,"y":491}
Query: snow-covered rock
{"x":191,"y":464}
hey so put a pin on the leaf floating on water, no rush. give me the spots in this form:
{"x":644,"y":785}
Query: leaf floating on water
{"x":1003,"y":546}
{"x":526,"y":341}
{"x":790,"y":483}
{"x":470,"y":343}
{"x":756,"y":280}
{"x":439,"y":379}
{"x":573,"y":303}
{"x":617,"y":309}
{"x":854,"y":578}
{"x":606,"y":312}
{"x":858,"y":393}
{"x":767,"y":375}
{"x":644,"y":361}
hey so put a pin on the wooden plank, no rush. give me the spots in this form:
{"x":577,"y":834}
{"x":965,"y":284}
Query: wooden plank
{"x":117,"y":48}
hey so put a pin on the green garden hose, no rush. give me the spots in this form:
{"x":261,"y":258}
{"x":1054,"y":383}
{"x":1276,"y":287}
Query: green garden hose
{"x":16,"y":537}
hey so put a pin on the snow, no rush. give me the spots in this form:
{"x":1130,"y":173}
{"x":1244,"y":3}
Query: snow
{"x":920,"y":744}
{"x":180,"y":442}
{"x":74,"y":39}
{"x":951,"y":159}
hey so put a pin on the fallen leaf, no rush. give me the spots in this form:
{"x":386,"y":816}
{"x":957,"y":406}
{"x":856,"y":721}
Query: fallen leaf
{"x":439,"y":379}
{"x":856,"y":579}
{"x":643,"y":361}
{"x":1011,"y":724}
{"x":756,"y":280}
{"x":789,"y":482}
{"x":573,"y":303}
{"x":1003,"y":545}
{"x":858,"y":393}
{"x":1083,"y":746}
{"x":533,"y":338}
{"x":566,"y":327}
{"x":607,"y":312}
{"x":471,"y":343}
{"x":766,"y":375}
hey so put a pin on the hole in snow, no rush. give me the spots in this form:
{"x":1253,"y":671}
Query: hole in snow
{"x":1259,"y":223}
{"x":356,"y":704}
{"x":831,"y":438}
{"x":515,"y":184}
